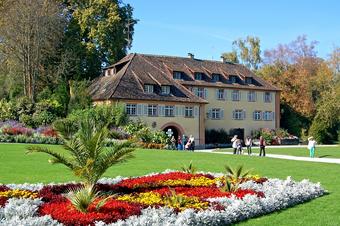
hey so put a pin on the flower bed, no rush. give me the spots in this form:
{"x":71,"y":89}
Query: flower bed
{"x":169,"y":198}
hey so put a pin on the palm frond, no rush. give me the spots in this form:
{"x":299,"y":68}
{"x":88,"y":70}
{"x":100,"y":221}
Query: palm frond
{"x":58,"y":158}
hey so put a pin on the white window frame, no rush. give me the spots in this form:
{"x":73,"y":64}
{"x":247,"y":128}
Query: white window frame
{"x":169,"y":111}
{"x":251,"y":96}
{"x":165,"y":90}
{"x":200,"y":92}
{"x":267,"y":96}
{"x":238,"y":114}
{"x":257,"y":115}
{"x":235,"y":95}
{"x":177,"y":75}
{"x":268,"y":116}
{"x":189,"y":112}
{"x":220,"y":94}
{"x":152,"y":110}
{"x":216,"y":113}
{"x":148,"y":88}
{"x":131,"y":109}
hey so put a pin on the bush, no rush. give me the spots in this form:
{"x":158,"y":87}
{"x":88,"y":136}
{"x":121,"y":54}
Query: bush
{"x":216,"y":136}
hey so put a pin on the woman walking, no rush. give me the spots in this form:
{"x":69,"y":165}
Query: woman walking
{"x":249,"y":143}
{"x":311,"y":146}
{"x":234,"y":144}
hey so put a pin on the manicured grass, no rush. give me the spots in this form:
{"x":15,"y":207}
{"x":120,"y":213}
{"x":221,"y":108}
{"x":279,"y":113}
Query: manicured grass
{"x":320,"y":152}
{"x":16,"y":167}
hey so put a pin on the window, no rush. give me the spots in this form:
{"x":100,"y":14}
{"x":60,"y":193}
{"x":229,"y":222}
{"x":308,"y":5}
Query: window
{"x":257,"y":115}
{"x":198,"y":76}
{"x":169,"y":111}
{"x":177,"y":75}
{"x":235,"y":95}
{"x":239,"y":114}
{"x":251,"y":96}
{"x":215,"y":77}
{"x":148,"y":88}
{"x":268,"y":116}
{"x":267,"y":97}
{"x":152,"y":110}
{"x":216,"y":113}
{"x":220,"y":94}
{"x":249,"y":80}
{"x":131,"y":109}
{"x":233,"y":79}
{"x":189,"y":112}
{"x":200,"y":92}
{"x":165,"y":90}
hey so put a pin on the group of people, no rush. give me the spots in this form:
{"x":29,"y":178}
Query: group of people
{"x":183,"y":143}
{"x":237,"y":145}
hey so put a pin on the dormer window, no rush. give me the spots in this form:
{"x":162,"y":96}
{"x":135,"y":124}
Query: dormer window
{"x":233,"y":79}
{"x":177,"y":75}
{"x":249,"y":80}
{"x":215,"y":77}
{"x":165,"y":90}
{"x":148,"y":88}
{"x":198,"y":76}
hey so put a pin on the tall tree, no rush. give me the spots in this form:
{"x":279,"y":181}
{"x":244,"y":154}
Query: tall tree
{"x":99,"y":33}
{"x":248,"y":51}
{"x":30,"y":32}
{"x":302,"y":76}
{"x":231,"y":57}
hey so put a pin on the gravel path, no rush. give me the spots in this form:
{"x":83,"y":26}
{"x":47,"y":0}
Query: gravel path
{"x":289,"y":157}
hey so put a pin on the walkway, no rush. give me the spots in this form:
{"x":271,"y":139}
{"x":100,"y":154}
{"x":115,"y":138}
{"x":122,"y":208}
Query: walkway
{"x":289,"y":157}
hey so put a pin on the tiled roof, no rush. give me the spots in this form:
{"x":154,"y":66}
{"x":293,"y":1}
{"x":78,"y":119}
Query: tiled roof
{"x":136,"y":70}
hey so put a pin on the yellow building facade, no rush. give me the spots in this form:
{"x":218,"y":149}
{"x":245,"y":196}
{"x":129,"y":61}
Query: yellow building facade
{"x":189,"y":96}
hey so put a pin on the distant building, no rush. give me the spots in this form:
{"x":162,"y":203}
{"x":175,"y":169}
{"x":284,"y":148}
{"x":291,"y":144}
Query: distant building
{"x":189,"y":95}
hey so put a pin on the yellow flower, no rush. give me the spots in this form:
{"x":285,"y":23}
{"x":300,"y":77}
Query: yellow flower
{"x":16,"y":193}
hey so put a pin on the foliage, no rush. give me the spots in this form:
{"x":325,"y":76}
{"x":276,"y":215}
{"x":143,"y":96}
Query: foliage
{"x":30,"y":32}
{"x":232,"y":178}
{"x":216,"y":136}
{"x":82,"y":198}
{"x":189,"y":169}
{"x":89,"y":159}
{"x":79,"y":96}
{"x":327,"y":120}
{"x":247,"y":50}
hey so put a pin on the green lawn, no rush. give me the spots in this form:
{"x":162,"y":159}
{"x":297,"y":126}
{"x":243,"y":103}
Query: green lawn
{"x":16,"y":167}
{"x":320,"y":152}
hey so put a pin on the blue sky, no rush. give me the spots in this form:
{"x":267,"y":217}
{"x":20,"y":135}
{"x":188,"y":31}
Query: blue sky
{"x":207,"y":28}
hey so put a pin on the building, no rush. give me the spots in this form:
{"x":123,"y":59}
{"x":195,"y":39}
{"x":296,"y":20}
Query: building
{"x":189,"y":95}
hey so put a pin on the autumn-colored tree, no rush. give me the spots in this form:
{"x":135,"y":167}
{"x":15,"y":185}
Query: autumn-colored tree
{"x":231,"y":57}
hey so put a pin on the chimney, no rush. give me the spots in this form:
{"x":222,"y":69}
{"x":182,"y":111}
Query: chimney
{"x":191,"y":56}
{"x":223,"y":59}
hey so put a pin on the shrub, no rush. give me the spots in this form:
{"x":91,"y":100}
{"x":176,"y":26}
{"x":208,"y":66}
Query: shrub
{"x":216,"y":136}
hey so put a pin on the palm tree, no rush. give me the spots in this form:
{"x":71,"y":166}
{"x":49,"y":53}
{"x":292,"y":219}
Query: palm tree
{"x":232,"y":178}
{"x":88,"y":157}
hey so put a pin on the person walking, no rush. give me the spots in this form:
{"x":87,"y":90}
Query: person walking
{"x":192,"y":143}
{"x":239,"y":146}
{"x":262,"y":147}
{"x":311,"y":146}
{"x":234,"y":144}
{"x":179,"y":143}
{"x":184,"y":141}
{"x":249,"y":144}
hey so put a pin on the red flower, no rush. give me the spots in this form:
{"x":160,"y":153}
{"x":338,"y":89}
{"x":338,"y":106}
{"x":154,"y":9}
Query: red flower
{"x":3,"y":201}
{"x":112,"y":211}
